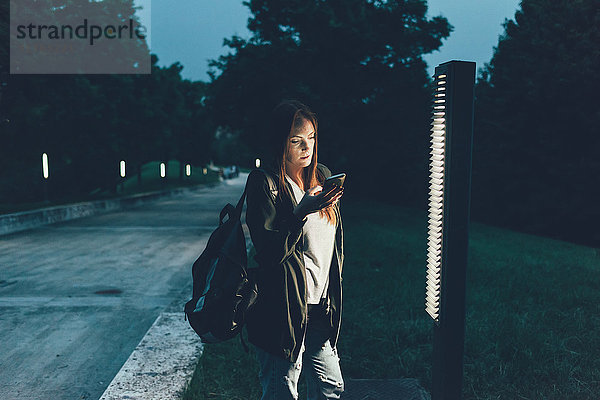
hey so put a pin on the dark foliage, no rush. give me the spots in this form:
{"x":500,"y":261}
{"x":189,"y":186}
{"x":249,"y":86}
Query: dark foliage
{"x":88,"y":123}
{"x":358,"y":64}
{"x":536,"y":159}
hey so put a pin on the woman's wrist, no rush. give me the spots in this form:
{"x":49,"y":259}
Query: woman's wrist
{"x":299,"y":213}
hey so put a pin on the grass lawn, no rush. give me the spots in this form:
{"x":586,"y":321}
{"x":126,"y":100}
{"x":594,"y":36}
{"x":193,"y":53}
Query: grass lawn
{"x":151,"y":181}
{"x":532,"y":326}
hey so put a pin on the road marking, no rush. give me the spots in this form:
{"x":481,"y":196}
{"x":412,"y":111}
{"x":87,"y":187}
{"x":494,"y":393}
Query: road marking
{"x":161,"y":365}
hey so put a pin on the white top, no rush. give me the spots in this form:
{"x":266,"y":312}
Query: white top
{"x":319,"y":240}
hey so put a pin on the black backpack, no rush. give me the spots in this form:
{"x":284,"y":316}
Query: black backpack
{"x":224,"y":289}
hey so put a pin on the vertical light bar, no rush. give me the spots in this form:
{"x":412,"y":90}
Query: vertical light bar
{"x":188,"y":170}
{"x":257,"y":162}
{"x":122,"y":168}
{"x":436,"y":199}
{"x":163,"y":170}
{"x":45,"y":169}
{"x":448,"y":233}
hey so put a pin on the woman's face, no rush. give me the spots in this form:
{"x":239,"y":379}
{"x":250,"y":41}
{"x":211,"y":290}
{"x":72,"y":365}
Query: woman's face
{"x":301,"y":145}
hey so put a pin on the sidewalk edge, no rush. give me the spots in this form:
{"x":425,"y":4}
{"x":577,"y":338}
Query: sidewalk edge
{"x":25,"y":220}
{"x":162,"y":364}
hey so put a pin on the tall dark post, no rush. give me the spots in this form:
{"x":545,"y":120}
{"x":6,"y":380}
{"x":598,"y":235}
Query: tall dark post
{"x":45,"y":186}
{"x":45,"y":174}
{"x":449,"y":204}
{"x":165,"y":171}
{"x":122,"y":174}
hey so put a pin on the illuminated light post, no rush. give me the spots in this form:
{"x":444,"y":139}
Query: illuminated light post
{"x":163,"y":170}
{"x":122,"y":173}
{"x":448,"y":236}
{"x":45,"y":171}
{"x":257,"y":163}
{"x":45,"y":175}
{"x":204,"y":171}
{"x":188,"y":170}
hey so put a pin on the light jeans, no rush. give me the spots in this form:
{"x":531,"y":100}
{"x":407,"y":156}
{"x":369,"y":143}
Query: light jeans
{"x":279,"y":377}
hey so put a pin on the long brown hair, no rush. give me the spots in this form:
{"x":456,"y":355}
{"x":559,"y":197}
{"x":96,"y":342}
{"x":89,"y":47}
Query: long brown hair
{"x":285,"y":119}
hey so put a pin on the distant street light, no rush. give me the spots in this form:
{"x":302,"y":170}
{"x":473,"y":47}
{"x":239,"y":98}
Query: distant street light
{"x":204,"y":171}
{"x":45,"y":174}
{"x":188,"y":170}
{"x":163,"y":170}
{"x":257,"y":162}
{"x":45,"y":165}
{"x":122,"y":173}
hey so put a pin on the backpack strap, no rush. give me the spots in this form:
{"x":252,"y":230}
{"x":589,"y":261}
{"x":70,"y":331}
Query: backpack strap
{"x":243,"y":341}
{"x":272,"y":184}
{"x":238,"y":207}
{"x":272,"y":187}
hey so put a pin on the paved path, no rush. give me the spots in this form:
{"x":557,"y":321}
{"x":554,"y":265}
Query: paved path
{"x":77,"y":297}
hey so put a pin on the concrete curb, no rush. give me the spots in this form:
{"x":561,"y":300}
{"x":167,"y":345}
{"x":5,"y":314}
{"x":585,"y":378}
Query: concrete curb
{"x":161,"y":365}
{"x":10,"y":223}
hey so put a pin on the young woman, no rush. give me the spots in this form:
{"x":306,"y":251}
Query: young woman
{"x":297,"y":233}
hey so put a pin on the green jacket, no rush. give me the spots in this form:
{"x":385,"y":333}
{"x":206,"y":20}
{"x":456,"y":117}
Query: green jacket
{"x":277,"y":323}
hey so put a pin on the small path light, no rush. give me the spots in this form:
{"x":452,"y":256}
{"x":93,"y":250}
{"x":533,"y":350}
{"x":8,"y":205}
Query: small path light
{"x":204,"y":171}
{"x":257,"y":163}
{"x":448,"y":236}
{"x":163,"y":170}
{"x":45,"y":166}
{"x":188,"y":170}
{"x":45,"y":174}
{"x":122,"y":173}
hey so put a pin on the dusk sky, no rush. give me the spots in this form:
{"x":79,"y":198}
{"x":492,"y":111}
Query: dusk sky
{"x":192,"y":31}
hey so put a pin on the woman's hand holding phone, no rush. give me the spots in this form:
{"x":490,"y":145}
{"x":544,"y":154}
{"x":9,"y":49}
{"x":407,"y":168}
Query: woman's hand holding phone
{"x":316,"y":199}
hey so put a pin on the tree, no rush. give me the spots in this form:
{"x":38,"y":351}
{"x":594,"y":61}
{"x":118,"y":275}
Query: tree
{"x":357,"y":63}
{"x":536,"y":147}
{"x":196,"y":133}
{"x":4,"y":54}
{"x":76,"y":119}
{"x":87,"y":123}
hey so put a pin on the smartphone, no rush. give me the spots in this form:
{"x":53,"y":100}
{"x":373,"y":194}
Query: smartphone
{"x":337,"y":180}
